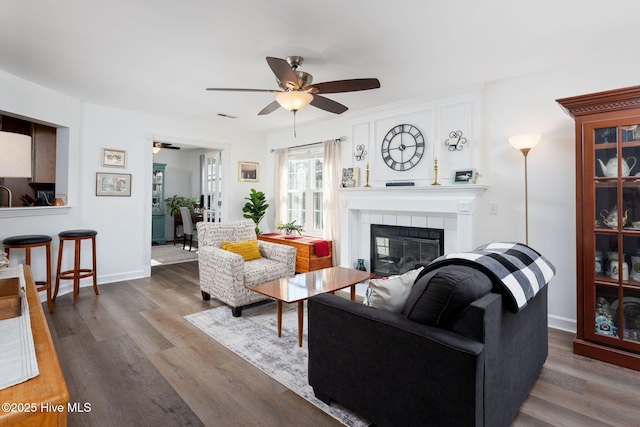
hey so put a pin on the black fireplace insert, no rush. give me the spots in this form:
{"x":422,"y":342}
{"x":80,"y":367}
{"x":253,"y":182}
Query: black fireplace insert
{"x":398,"y":249}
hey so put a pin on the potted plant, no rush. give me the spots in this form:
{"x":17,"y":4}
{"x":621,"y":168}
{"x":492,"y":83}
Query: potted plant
{"x":195,"y":203}
{"x":255,"y":208}
{"x":175,"y":202}
{"x":289,"y":227}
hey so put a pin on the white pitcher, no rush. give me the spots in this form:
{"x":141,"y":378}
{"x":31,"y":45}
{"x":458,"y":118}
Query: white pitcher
{"x":611,"y":168}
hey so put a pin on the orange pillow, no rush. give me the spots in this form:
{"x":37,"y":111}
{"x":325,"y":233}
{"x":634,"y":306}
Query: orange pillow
{"x":248,"y":249}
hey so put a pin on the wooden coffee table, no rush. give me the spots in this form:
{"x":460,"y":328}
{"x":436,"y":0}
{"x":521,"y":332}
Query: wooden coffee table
{"x":303,"y":286}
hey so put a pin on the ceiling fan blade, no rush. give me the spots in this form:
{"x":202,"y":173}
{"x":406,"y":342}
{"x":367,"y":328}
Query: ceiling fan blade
{"x":328,"y":104}
{"x":283,"y":72}
{"x":269,"y":108}
{"x":165,"y":145}
{"x":227,"y":89}
{"x":351,"y":85}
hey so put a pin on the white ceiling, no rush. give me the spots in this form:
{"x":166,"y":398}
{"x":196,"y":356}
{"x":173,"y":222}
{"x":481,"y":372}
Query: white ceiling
{"x":158,"y":56}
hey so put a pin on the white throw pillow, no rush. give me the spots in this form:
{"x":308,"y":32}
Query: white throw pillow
{"x":391,"y":293}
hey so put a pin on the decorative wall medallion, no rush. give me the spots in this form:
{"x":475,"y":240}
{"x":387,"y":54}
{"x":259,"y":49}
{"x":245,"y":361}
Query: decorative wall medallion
{"x":455,"y":141}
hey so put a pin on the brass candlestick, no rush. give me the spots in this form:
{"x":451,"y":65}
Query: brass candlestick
{"x":367,"y":174}
{"x":435,"y":172}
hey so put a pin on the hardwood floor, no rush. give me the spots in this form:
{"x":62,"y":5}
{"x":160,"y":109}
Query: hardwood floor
{"x":132,"y":357}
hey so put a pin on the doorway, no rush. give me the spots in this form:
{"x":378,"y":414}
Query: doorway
{"x":195,"y":172}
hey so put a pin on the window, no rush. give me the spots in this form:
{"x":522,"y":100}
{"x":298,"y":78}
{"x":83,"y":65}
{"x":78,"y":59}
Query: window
{"x":304,"y":189}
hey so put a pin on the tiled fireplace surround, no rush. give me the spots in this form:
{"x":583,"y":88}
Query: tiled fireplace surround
{"x":448,"y":207}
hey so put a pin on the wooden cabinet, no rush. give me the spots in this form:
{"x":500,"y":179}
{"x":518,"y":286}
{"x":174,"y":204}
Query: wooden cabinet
{"x":306,"y":258}
{"x":608,"y":224}
{"x":43,"y":159}
{"x":157,"y":207}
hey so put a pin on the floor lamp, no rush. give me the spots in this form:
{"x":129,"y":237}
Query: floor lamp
{"x":525,"y":143}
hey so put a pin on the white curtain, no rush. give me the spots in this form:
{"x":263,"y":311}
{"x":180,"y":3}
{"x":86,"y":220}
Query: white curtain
{"x":330,"y":184}
{"x":282,"y":173}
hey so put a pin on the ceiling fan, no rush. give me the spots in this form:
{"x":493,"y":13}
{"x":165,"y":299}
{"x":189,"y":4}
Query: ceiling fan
{"x":297,"y":91}
{"x":157,"y":146}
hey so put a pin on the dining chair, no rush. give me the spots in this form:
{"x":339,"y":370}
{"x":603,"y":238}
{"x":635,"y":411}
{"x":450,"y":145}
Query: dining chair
{"x":187,"y":227}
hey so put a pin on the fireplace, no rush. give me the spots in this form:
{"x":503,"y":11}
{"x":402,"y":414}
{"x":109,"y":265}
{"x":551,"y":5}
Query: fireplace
{"x":398,"y":249}
{"x":446,"y":207}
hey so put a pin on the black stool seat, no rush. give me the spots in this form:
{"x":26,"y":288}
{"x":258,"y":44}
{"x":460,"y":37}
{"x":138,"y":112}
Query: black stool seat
{"x":27,"y":239}
{"x":77,"y":233}
{"x":28,"y":242}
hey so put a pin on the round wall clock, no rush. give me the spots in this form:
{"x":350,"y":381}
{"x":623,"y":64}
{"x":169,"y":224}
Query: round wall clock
{"x":402,"y":147}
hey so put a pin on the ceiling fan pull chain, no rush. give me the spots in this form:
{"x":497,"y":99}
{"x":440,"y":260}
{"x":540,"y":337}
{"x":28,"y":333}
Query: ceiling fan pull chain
{"x":294,"y":123}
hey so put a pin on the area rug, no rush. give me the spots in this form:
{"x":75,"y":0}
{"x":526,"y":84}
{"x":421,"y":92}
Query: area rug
{"x":170,"y":254}
{"x":254,"y":337}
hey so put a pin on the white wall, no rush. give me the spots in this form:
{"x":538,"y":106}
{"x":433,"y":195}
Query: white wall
{"x":519,"y":105}
{"x":123,"y":223}
{"x":24,"y":99}
{"x":527,"y":104}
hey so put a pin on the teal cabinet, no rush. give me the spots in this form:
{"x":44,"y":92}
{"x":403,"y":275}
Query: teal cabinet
{"x":157,"y":207}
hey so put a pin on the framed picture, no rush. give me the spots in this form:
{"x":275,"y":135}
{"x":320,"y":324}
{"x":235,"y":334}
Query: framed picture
{"x":464,"y":176}
{"x":113,"y":184}
{"x":350,"y":177}
{"x":248,"y":171}
{"x":114,"y":158}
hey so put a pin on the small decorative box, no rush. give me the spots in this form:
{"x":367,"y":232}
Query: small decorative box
{"x":10,"y":305}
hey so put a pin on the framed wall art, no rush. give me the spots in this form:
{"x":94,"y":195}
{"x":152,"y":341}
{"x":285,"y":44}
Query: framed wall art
{"x":113,"y":184}
{"x":248,"y":171}
{"x":464,"y":176}
{"x":350,"y":177}
{"x":114,"y":158}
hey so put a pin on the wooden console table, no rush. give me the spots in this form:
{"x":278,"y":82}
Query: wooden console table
{"x":46,"y":393}
{"x":306,"y":258}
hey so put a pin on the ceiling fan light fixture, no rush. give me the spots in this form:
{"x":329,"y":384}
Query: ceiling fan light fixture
{"x":294,"y":100}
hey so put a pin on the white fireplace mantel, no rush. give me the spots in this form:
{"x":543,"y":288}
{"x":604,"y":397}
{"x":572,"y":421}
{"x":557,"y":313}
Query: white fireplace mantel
{"x":434,"y":198}
{"x":445,"y":206}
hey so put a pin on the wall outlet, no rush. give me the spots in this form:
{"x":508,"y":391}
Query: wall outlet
{"x":493,"y":208}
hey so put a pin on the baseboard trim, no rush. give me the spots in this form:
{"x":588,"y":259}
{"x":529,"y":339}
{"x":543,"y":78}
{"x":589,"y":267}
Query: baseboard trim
{"x":66,"y":286}
{"x":562,"y":323}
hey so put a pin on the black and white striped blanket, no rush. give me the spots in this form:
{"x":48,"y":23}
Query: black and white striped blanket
{"x":520,"y":270}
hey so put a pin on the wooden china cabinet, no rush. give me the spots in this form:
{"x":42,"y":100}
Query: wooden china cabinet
{"x":608,"y":224}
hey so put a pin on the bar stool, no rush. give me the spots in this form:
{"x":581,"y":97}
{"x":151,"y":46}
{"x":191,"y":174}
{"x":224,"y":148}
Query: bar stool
{"x":27,"y":242}
{"x":77,"y":273}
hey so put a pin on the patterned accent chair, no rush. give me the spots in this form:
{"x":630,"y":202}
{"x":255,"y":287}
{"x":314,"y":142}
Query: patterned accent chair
{"x":226,"y":276}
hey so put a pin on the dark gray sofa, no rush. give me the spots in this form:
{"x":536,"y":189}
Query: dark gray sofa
{"x":475,"y":368}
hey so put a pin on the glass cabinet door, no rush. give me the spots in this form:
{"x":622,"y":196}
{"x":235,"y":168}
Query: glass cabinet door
{"x":157,"y":191}
{"x":613,"y":228}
